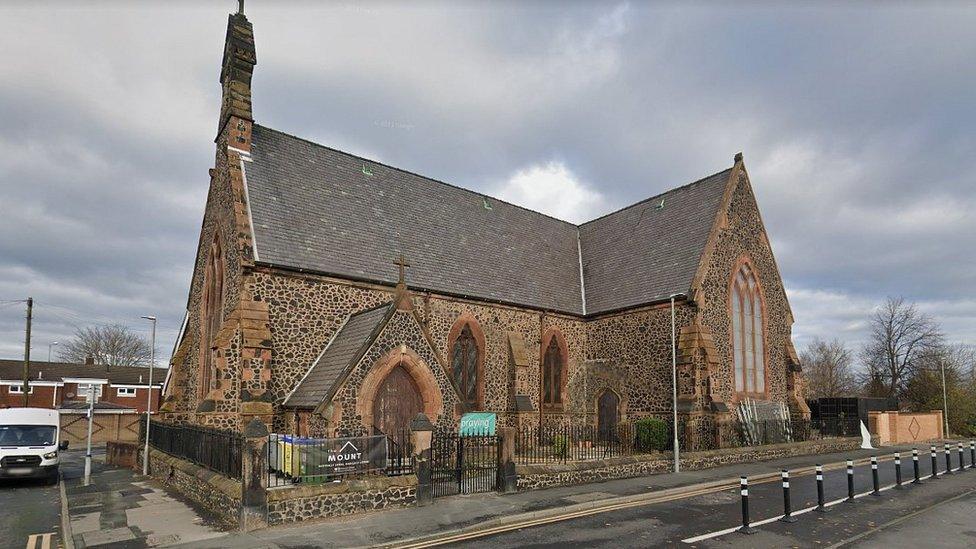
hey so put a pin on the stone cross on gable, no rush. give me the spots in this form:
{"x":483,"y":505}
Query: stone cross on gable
{"x":402,"y":264}
{"x":402,"y":297}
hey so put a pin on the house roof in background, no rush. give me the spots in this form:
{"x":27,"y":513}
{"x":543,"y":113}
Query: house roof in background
{"x":57,"y":371}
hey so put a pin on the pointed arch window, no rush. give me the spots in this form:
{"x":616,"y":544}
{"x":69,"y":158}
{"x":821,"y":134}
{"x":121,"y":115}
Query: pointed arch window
{"x":466,"y":356}
{"x":553,"y":372}
{"x":464,"y":363}
{"x":211,"y":315}
{"x":748,"y":332}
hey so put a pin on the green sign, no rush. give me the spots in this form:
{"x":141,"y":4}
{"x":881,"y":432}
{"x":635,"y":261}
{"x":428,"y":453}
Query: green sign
{"x":477,"y":423}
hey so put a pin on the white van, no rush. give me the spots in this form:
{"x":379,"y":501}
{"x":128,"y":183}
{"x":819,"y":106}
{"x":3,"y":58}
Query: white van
{"x":29,"y":443}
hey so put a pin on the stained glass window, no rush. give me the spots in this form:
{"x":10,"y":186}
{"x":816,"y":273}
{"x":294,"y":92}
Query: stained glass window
{"x":464,"y":363}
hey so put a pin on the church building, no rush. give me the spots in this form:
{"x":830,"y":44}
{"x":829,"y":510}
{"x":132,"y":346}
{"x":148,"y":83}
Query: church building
{"x":336,"y":295}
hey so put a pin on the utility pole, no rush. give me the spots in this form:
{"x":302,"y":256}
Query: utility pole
{"x":27,"y":341}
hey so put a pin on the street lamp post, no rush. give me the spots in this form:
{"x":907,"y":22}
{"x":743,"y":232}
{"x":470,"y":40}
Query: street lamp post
{"x":945,"y":400}
{"x":674,"y":385}
{"x":49,"y":346}
{"x":152,"y":361}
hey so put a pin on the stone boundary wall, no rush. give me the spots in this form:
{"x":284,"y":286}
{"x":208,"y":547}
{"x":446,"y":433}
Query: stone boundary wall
{"x":534,"y":477}
{"x":298,"y":503}
{"x":218,"y":494}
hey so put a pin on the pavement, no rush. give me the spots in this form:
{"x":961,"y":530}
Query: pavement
{"x":461,"y":514}
{"x":123,"y":509}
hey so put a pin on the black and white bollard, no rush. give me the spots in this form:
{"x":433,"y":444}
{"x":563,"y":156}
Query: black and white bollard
{"x":935,"y":465}
{"x":874,"y":477}
{"x":897,"y":470}
{"x":962,"y":457}
{"x":821,"y":508}
{"x":918,"y":477}
{"x":948,"y":456}
{"x":787,"y":504}
{"x":744,"y":491}
{"x":972,"y":454}
{"x":850,"y":480}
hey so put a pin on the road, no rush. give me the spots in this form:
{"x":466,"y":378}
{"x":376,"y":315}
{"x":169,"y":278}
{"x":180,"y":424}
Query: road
{"x":862,"y":523}
{"x":32,"y":509}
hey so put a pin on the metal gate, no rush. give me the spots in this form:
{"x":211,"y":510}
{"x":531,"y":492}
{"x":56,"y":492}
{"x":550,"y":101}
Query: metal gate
{"x":463,"y":464}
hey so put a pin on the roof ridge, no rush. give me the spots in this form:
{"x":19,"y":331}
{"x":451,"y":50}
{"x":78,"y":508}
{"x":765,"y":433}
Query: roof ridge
{"x":428,"y":178}
{"x":659,"y":195}
{"x":485,"y":195}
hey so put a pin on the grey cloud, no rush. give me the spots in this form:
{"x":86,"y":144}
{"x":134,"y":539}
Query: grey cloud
{"x":855,"y":121}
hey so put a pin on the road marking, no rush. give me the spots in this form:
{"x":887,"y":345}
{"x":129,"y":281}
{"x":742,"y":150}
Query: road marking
{"x":44,"y":539}
{"x":713,"y":487}
{"x":728,"y":531}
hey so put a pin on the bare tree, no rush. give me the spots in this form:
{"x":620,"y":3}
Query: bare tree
{"x":114,"y":345}
{"x":828,"y":367}
{"x":900,"y":337}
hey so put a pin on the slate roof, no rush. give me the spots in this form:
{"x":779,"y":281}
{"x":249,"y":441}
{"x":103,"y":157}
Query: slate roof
{"x":646,"y":252}
{"x":321,"y":210}
{"x":13,"y":369}
{"x":345,"y":349}
{"x":313,"y":208}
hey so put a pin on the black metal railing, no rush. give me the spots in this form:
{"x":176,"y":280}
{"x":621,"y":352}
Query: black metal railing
{"x":559,"y":444}
{"x":463,"y":464}
{"x":218,"y":450}
{"x":706,"y":434}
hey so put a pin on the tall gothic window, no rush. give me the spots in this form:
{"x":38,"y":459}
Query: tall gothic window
{"x":464,"y":363}
{"x":748,"y":332}
{"x":212,"y":314}
{"x":552,"y":373}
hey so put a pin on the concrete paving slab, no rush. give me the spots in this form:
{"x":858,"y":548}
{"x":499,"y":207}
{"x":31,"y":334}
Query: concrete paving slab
{"x":88,"y":522}
{"x":102,"y":537}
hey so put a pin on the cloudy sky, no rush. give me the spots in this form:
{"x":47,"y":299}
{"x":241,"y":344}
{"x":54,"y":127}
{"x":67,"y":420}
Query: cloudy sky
{"x":856,"y":122}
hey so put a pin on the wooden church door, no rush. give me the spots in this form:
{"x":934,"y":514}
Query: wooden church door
{"x":397,"y":402}
{"x":608,"y":414}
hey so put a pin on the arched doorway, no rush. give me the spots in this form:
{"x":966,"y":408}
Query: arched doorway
{"x":608,"y":414}
{"x":397,"y":402}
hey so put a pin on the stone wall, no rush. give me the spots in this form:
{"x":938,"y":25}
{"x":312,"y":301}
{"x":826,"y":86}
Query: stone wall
{"x":638,"y":344}
{"x":742,"y":236}
{"x":298,"y":503}
{"x":534,"y":477}
{"x":216,"y":493}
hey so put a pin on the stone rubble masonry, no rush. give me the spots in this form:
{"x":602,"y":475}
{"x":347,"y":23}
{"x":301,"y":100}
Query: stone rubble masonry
{"x":534,"y":477}
{"x":216,"y":493}
{"x":298,"y":503}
